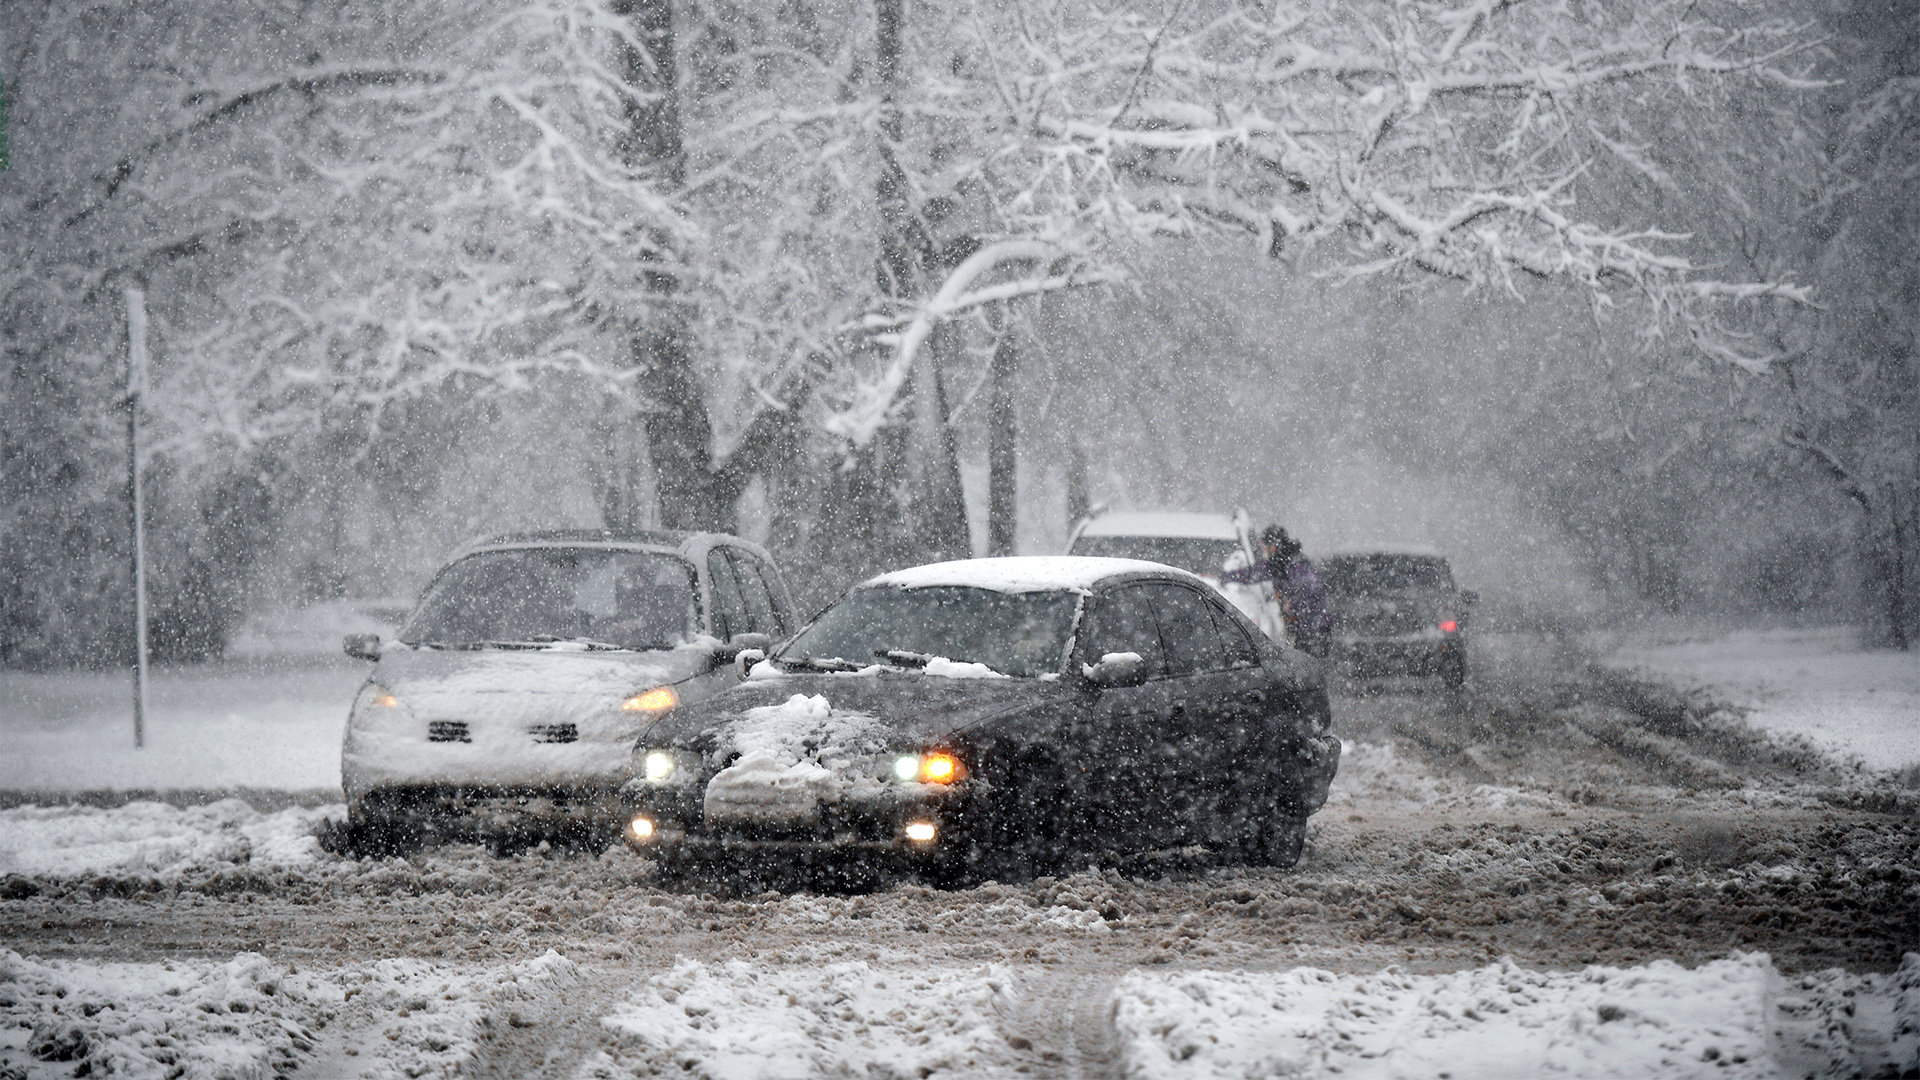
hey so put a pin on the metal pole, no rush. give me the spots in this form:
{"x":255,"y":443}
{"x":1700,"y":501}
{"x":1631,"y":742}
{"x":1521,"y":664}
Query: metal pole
{"x":136,"y":386}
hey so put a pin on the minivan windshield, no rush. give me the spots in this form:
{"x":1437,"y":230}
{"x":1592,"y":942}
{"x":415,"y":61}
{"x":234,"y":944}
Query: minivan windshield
{"x":530,"y":596}
{"x":1361,"y":575}
{"x":1196,"y":555}
{"x":1019,"y":634}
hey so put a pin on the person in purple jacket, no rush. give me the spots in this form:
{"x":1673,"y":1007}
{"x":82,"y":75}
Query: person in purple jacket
{"x":1303,"y":596}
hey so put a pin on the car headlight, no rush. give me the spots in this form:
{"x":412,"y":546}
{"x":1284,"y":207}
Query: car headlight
{"x":658,"y":766}
{"x":658,"y":699}
{"x":936,"y":767}
{"x":374,"y":696}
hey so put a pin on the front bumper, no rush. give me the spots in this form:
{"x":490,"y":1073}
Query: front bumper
{"x":903,"y":822}
{"x":450,"y":812}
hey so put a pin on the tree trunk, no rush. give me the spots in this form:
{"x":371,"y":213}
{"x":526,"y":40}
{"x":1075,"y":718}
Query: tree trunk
{"x":1002,"y":448}
{"x":907,"y":271}
{"x":940,"y":511}
{"x":1079,"y":499}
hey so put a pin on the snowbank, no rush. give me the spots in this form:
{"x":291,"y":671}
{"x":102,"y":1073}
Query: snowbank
{"x":1820,"y":684}
{"x":751,"y":1021}
{"x":1731,"y":1018}
{"x":253,"y":1017}
{"x":150,"y":838}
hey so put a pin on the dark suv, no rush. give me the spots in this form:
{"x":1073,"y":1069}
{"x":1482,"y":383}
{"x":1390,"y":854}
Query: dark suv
{"x":1397,"y":613}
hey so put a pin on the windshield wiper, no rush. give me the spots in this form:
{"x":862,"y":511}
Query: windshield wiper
{"x":904,"y":657}
{"x":820,"y":663}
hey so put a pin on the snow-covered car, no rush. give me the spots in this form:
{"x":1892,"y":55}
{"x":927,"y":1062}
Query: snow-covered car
{"x":1397,"y":612}
{"x":1199,"y":543}
{"x":507,"y":708}
{"x":988,"y":718}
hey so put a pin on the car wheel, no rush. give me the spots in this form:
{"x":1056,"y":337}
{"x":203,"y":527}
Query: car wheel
{"x":1453,"y":669}
{"x":364,"y":836}
{"x":1276,"y":842}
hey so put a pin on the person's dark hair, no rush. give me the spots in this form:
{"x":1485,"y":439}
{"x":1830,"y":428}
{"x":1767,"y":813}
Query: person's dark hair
{"x":1285,"y":546}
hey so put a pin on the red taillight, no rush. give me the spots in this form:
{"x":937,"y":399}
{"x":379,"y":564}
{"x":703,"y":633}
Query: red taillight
{"x":1448,"y":626}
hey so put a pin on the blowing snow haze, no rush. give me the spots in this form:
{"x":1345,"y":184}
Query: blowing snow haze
{"x":1575,"y":342}
{"x":1616,"y":307}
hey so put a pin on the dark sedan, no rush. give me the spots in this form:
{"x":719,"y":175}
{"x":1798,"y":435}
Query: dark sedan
{"x":992,"y":718}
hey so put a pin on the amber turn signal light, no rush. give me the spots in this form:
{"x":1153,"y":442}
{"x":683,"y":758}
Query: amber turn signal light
{"x":940,"y":769}
{"x":658,"y":699}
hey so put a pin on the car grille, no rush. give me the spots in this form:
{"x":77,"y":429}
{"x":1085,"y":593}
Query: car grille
{"x":448,"y":731}
{"x":554,"y":733}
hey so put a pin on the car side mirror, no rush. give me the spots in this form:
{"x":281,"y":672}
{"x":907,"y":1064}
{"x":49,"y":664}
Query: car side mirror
{"x":362,"y":646}
{"x":726,"y":653}
{"x":1117,"y":669}
{"x":744,"y":660}
{"x":1468,"y":596}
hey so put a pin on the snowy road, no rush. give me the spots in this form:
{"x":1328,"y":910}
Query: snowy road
{"x":1526,"y":879}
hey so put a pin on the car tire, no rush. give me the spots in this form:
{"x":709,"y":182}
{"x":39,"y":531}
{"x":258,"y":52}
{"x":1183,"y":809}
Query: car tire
{"x":367,"y":837}
{"x":1453,"y":669}
{"x":1277,"y":842}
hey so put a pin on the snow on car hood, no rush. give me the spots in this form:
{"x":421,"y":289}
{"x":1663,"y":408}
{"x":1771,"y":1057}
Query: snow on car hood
{"x":910,"y":707}
{"x":507,"y":718}
{"x":795,"y":743}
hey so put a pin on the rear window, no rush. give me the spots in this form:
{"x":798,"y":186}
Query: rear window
{"x":1361,"y":574}
{"x":1194,"y":555}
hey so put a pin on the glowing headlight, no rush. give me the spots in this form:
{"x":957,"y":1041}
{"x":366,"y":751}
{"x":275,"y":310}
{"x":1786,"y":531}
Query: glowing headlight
{"x":375,"y":696}
{"x":921,"y":832}
{"x":657,"y":766}
{"x":640,"y":828}
{"x":935,"y":768}
{"x":658,"y":699}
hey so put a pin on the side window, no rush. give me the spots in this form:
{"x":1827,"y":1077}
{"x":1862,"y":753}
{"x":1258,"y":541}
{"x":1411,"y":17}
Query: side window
{"x":1121,"y":620}
{"x":729,"y":610}
{"x":1186,"y":630}
{"x":1235,"y":644}
{"x":761,"y":617}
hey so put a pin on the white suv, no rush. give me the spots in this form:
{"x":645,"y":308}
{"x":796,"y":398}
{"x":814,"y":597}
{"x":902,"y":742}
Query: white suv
{"x":1203,"y":544}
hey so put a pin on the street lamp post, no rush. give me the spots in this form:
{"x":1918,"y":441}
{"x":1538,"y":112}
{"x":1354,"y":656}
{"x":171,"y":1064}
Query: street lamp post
{"x":136,"y":387}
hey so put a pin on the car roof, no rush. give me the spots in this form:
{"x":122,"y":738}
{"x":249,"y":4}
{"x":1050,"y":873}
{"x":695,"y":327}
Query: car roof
{"x":1023,"y":573}
{"x":1185,"y":523}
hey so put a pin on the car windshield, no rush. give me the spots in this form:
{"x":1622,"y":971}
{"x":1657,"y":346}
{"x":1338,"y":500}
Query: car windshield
{"x":1196,"y":555}
{"x":596,"y":596}
{"x":1020,"y":634}
{"x":1358,"y":575}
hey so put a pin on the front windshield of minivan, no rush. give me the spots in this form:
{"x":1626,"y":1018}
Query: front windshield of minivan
{"x":595,"y":597}
{"x":1020,"y":634}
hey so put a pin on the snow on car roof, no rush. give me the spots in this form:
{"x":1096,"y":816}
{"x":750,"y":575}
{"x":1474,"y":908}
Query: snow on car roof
{"x":1018,"y":573}
{"x":1162,"y":523}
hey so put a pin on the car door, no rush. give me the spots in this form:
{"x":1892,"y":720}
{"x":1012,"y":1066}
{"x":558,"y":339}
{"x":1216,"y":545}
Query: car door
{"x":1196,"y":742}
{"x":1119,"y":783}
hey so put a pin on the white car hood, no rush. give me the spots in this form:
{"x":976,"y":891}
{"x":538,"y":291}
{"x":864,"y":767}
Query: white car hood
{"x":507,"y":718}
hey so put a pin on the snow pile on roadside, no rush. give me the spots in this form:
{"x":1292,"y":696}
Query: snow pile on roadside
{"x":1818,"y":684}
{"x":154,"y":838}
{"x":745,"y":1019}
{"x":252,"y":1017}
{"x":1732,"y":1018}
{"x":1375,"y":772}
